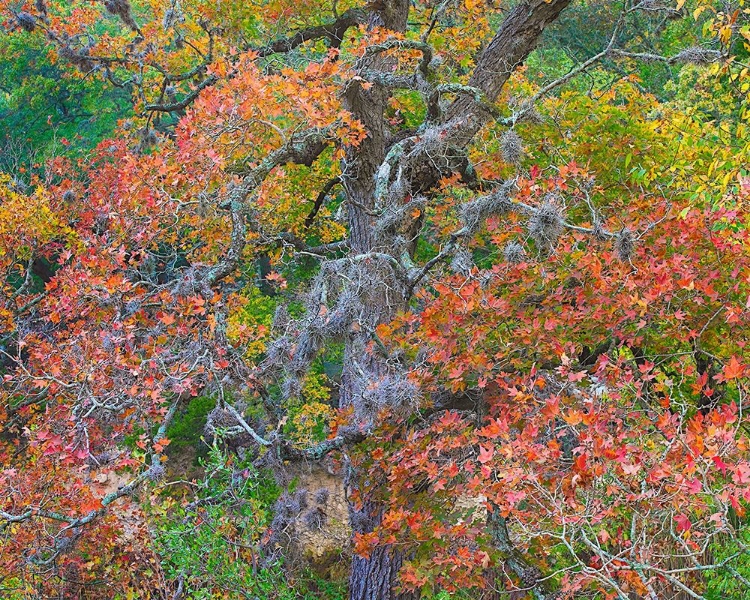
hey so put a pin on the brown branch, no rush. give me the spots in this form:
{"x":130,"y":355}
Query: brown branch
{"x":515,"y":39}
{"x":333,"y":31}
{"x":330,"y":184}
{"x":305,"y":148}
{"x":302,"y":148}
{"x":187,"y":100}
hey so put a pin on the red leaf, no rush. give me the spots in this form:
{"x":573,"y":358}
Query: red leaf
{"x":683,"y":523}
{"x":580,"y":462}
{"x":720,"y":464}
{"x":485,"y":454}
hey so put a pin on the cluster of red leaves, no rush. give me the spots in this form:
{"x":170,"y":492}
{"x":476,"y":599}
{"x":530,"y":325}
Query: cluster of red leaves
{"x":128,"y":321}
{"x":109,"y":341}
{"x":615,"y":395}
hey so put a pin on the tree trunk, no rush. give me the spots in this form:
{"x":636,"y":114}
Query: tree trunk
{"x":371,"y":578}
{"x":375,"y":284}
{"x":374,"y":578}
{"x":528,"y":574}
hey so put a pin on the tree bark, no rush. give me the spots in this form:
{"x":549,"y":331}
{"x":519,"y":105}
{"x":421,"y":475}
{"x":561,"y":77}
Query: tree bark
{"x":374,"y":578}
{"x":516,"y":38}
{"x":377,"y":286}
{"x":371,"y":578}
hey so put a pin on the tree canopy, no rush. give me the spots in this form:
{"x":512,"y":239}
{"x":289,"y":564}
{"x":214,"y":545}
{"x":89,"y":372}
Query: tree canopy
{"x":485,"y":261}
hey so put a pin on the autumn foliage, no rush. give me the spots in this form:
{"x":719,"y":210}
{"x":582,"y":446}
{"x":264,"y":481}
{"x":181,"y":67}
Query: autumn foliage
{"x":502,"y":291}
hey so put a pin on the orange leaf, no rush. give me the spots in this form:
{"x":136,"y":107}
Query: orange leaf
{"x":733,"y":369}
{"x":167,"y":319}
{"x":574,"y":417}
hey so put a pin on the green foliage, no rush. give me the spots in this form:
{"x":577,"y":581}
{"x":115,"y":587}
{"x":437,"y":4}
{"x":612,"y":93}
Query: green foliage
{"x":311,"y":413}
{"x":442,"y":595}
{"x":211,"y":543}
{"x":587,"y":29}
{"x":46,"y":110}
{"x":724,"y":583}
{"x":312,"y":587}
{"x":253,"y":321}
{"x":187,"y":428}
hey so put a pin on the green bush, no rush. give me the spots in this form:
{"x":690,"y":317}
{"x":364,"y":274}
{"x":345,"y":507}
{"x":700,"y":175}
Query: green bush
{"x":187,"y":428}
{"x":726,"y":583}
{"x":211,"y":541}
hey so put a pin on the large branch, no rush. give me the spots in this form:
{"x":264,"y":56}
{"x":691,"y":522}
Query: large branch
{"x":186,"y":101}
{"x":302,"y":148}
{"x":333,"y":31}
{"x":516,"y":38}
{"x":438,"y":149}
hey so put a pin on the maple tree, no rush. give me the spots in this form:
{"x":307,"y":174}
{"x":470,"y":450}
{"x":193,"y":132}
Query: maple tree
{"x":538,"y":285}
